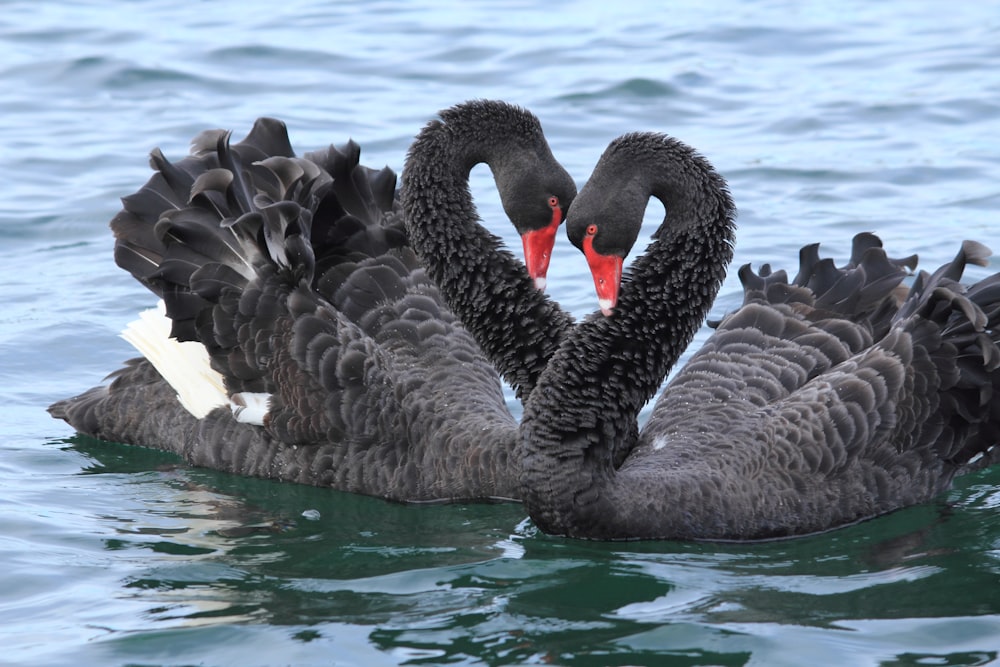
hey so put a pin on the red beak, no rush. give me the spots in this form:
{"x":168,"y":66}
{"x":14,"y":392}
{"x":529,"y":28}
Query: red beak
{"x":538,"y":250}
{"x":607,"y":272}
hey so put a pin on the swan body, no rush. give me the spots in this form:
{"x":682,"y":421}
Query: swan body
{"x":340,"y":360}
{"x":822,"y":401}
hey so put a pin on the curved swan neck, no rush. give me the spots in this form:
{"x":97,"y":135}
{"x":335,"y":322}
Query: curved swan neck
{"x":583,"y":412}
{"x":484,"y":284}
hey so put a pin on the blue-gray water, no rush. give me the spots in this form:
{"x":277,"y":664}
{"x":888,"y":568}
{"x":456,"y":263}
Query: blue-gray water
{"x":827,"y":118}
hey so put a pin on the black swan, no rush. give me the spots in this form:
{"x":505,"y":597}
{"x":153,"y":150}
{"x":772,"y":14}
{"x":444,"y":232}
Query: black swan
{"x":819,"y":402}
{"x":344,"y":366}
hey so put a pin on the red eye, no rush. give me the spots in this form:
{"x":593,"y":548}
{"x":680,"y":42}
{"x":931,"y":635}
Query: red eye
{"x":553,"y":202}
{"x":591,"y":230}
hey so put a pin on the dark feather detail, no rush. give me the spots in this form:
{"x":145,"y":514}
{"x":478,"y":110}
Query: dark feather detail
{"x":831,"y":398}
{"x":299,"y":277}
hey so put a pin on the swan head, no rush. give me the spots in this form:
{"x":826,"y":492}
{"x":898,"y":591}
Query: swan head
{"x":536,"y":193}
{"x":535,"y":190}
{"x":604,"y":223}
{"x":536,"y":203}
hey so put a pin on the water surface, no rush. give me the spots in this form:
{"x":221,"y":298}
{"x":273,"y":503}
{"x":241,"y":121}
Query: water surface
{"x":827,"y":119}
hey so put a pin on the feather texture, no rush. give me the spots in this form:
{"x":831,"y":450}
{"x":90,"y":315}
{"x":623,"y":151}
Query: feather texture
{"x":343,"y":362}
{"x":824,"y":400}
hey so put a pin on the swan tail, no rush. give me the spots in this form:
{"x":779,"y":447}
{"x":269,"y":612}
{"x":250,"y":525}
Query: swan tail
{"x":203,"y":232}
{"x":865,"y":290}
{"x":327,"y":248}
{"x":192,"y":229}
{"x":958,"y":327}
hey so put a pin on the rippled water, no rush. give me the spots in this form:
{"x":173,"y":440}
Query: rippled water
{"x":826,"y":118}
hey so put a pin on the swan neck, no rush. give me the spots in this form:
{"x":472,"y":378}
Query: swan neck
{"x":482,"y":282}
{"x":582,"y":419}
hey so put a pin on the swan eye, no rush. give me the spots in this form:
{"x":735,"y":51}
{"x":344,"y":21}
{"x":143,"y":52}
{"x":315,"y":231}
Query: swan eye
{"x":553,"y":202}
{"x":591,"y":230}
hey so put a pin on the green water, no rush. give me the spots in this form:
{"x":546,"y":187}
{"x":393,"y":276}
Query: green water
{"x":206,"y":568}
